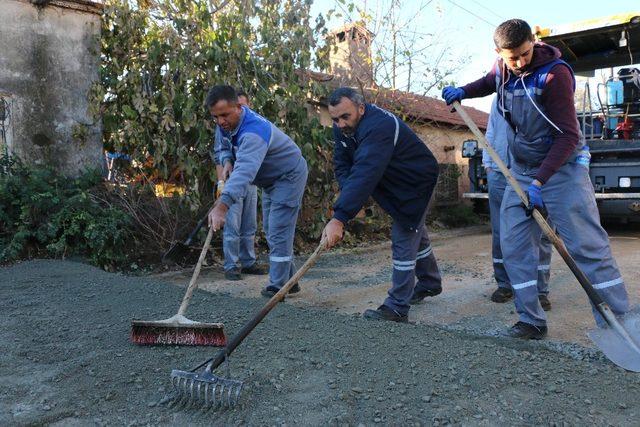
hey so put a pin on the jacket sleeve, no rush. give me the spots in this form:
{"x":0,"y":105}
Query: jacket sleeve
{"x":369,"y":164}
{"x":341,"y":161}
{"x":251,"y":152}
{"x":222,"y":148}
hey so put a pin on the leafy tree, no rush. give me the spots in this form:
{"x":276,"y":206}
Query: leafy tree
{"x":159,"y":57}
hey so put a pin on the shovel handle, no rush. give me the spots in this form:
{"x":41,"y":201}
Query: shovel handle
{"x":595,"y":298}
{"x":192,"y":284}
{"x":216,"y":361}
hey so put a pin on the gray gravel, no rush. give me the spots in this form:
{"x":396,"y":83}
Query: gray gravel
{"x":66,"y":360}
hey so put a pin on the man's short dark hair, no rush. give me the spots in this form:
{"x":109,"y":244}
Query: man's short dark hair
{"x":345,"y":92}
{"x":243,"y":93}
{"x":221,"y":93}
{"x":512,"y":33}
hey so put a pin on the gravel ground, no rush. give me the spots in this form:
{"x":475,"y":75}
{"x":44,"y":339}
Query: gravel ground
{"x":66,"y":360}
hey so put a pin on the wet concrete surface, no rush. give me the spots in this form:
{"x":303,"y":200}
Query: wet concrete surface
{"x":66,"y":357}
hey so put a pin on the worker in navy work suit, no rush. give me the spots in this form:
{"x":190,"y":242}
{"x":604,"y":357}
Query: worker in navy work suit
{"x":268,"y":158}
{"x":376,"y":154}
{"x":497,"y":131}
{"x":535,"y":96}
{"x":238,"y":240}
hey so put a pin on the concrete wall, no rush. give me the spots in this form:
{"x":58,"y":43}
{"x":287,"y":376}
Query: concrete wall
{"x":48,"y":63}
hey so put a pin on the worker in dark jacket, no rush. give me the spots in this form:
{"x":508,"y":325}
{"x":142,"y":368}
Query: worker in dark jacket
{"x":376,"y":154}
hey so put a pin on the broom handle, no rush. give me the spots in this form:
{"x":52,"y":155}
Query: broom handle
{"x":192,"y":284}
{"x":544,"y":225}
{"x":248,"y":328}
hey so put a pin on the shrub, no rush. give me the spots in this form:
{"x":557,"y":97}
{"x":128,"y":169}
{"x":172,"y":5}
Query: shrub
{"x":45,"y":214}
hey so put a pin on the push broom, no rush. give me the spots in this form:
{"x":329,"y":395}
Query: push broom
{"x":179,"y":330}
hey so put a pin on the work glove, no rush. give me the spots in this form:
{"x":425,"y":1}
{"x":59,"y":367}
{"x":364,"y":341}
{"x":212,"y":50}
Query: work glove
{"x":534,"y":193}
{"x":452,"y":93}
{"x":219,"y":188}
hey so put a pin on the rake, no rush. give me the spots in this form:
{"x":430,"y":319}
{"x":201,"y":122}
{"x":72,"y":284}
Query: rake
{"x":202,"y":386}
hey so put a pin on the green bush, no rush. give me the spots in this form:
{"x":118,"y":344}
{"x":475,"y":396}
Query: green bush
{"x":45,"y":214}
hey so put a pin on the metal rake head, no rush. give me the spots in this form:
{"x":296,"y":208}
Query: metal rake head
{"x":205,"y":388}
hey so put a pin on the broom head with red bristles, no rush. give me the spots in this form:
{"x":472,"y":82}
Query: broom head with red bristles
{"x":177,"y":330}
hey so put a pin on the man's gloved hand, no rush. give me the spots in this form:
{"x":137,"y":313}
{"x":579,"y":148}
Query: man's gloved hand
{"x":452,"y":93}
{"x":219,"y":188}
{"x":534,"y":192}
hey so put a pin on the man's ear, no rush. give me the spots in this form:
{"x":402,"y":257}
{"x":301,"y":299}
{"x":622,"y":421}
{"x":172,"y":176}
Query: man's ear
{"x":361,"y":109}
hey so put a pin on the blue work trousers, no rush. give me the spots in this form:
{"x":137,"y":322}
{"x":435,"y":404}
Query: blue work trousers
{"x":412,"y":258}
{"x":240,"y":231}
{"x":497,"y":185}
{"x":280,"y":207}
{"x":571,"y":204}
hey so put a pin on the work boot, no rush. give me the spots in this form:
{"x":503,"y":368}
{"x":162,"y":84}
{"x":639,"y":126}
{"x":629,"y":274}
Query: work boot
{"x":269,"y":291}
{"x":501,"y":295}
{"x":419,"y":296}
{"x":295,"y":288}
{"x":256,"y":269}
{"x":385,"y":313}
{"x":233,"y":274}
{"x":544,"y":302}
{"x":527,"y":331}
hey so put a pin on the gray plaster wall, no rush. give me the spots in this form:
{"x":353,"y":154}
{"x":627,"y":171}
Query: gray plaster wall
{"x":49,"y":59}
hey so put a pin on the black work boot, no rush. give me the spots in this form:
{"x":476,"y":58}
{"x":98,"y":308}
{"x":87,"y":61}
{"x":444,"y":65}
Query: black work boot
{"x":233,"y":274}
{"x":385,"y":313}
{"x":527,"y":331}
{"x":544,"y":302}
{"x":501,"y":295}
{"x":256,"y":269}
{"x":295,"y":288}
{"x":419,"y":296}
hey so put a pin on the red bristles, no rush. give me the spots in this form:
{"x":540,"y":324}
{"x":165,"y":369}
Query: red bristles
{"x":145,"y":334}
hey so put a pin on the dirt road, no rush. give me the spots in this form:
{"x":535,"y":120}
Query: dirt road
{"x":66,"y":358}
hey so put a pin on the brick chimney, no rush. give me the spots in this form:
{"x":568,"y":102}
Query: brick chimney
{"x":350,"y":54}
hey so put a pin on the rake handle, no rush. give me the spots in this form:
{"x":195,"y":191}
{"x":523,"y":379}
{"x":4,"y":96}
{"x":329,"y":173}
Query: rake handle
{"x":216,"y":361}
{"x":192,"y":284}
{"x":595,"y":298}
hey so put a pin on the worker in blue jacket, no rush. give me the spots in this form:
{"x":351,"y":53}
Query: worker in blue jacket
{"x":267,"y":157}
{"x":378,"y":155}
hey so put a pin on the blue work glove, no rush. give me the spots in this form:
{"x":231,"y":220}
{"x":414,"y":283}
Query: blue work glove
{"x":535,"y":199}
{"x":452,"y":93}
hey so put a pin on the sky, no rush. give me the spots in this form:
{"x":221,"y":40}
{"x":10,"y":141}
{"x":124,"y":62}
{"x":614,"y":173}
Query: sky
{"x":463,"y":29}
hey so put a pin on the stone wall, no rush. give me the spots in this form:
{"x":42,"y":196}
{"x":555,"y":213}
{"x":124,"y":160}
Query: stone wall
{"x":48,"y":64}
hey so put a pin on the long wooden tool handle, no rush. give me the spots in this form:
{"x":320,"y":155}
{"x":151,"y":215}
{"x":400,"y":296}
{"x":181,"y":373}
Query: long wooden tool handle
{"x":279,"y":296}
{"x":544,"y":225}
{"x":192,"y":284}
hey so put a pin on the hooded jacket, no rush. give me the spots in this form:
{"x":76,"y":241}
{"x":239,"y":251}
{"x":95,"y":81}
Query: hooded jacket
{"x":554,"y":98}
